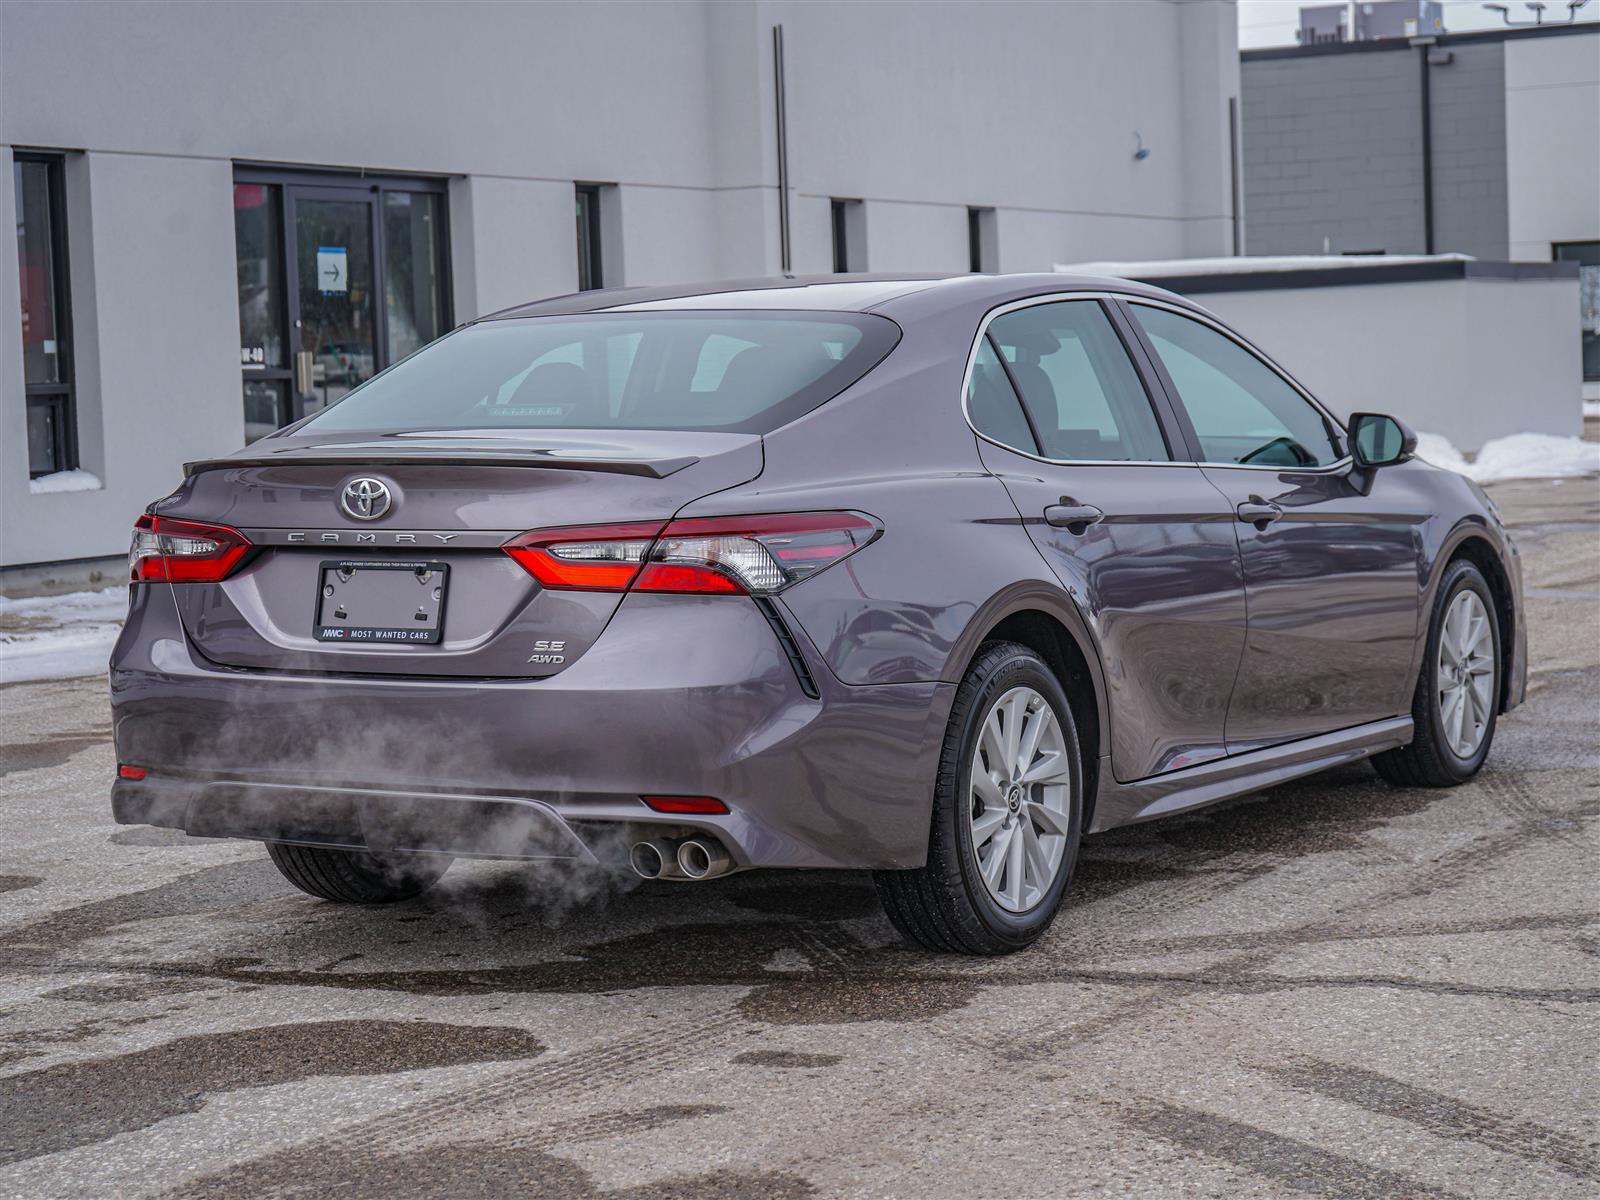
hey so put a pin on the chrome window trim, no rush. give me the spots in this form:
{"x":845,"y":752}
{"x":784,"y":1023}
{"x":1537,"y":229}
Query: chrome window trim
{"x":972,"y":358}
{"x":1250,"y":348}
{"x":1130,"y":299}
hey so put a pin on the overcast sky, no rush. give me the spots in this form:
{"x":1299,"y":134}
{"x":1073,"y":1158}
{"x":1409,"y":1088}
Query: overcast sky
{"x":1273,"y":22}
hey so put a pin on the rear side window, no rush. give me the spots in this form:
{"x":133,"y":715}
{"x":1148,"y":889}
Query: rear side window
{"x":1242,"y":410}
{"x":736,"y":372}
{"x":1082,"y":392}
{"x":993,"y":407}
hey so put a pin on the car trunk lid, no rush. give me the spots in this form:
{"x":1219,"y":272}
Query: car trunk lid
{"x":452,"y":501}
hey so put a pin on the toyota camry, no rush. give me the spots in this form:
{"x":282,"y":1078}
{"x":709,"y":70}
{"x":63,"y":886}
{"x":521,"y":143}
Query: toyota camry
{"x":928,"y":577}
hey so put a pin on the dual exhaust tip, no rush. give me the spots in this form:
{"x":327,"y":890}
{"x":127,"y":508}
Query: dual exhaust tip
{"x":692,"y":858}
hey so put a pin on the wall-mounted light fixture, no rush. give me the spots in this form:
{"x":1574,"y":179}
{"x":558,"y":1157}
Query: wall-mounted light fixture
{"x":1537,"y":9}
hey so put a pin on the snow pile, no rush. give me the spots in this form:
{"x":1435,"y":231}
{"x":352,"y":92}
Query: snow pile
{"x":1174,"y":268}
{"x":1437,"y":449}
{"x":59,"y":637}
{"x":65,"y":481}
{"x":1518,"y":456}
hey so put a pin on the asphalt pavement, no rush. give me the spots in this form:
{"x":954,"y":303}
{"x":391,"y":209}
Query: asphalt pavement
{"x":1335,"y":988}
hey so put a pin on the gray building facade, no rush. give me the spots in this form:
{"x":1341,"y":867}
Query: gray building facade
{"x":228,"y":214}
{"x":1334,"y":137}
{"x":1485,"y":144}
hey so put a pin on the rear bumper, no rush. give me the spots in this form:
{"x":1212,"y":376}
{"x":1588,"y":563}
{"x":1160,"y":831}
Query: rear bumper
{"x":680,"y":696}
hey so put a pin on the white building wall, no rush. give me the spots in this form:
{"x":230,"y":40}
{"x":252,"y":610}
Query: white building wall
{"x":507,"y":237}
{"x":918,"y":110}
{"x":1471,"y":359}
{"x":1552,"y":143}
{"x":156,"y":350}
{"x":1025,"y":108}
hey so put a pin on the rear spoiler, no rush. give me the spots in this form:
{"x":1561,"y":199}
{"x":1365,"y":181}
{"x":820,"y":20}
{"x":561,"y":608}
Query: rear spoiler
{"x":391,"y":456}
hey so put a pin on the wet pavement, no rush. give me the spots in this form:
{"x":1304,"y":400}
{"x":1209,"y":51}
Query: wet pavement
{"x":1335,"y":988}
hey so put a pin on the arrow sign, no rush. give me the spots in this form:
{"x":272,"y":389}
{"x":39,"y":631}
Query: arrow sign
{"x":332,"y":269}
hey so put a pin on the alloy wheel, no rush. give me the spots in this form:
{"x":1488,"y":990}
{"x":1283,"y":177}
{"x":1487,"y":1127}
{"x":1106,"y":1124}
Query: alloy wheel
{"x":1465,"y":673}
{"x":1019,"y":799}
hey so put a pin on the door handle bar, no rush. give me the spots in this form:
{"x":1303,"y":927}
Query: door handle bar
{"x":1259,"y":513}
{"x":1074,"y":518}
{"x":305,"y":372}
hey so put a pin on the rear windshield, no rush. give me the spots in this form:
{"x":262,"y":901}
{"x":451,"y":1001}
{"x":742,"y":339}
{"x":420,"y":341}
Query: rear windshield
{"x":741,"y":372}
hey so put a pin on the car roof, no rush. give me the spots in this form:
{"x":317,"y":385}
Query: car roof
{"x":835,"y":293}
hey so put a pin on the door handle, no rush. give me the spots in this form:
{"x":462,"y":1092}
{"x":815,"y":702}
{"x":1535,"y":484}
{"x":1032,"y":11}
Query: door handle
{"x":1074,"y":518}
{"x":305,"y":369}
{"x":1259,"y":513}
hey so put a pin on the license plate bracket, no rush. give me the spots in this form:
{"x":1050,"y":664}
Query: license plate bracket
{"x":389,"y":601}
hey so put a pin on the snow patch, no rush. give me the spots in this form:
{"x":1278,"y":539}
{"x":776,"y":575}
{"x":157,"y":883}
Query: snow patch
{"x":59,"y":637}
{"x":65,"y":481}
{"x":1517,"y":456}
{"x":1535,"y":456}
{"x":1437,"y":449}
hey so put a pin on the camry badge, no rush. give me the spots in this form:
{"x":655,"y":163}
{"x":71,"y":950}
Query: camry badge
{"x":365,"y":499}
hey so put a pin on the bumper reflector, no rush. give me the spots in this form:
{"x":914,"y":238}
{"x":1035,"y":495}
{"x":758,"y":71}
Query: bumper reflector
{"x":706,"y":806}
{"x":124,"y":771}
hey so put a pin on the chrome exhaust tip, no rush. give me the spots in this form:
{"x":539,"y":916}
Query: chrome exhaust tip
{"x":702,"y":858}
{"x":654,"y":860}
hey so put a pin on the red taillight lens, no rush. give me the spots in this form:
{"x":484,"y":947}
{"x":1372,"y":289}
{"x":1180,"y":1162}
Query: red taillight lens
{"x":706,"y":806}
{"x":758,"y":555}
{"x":596,"y":558}
{"x":165,"y":549}
{"x":124,"y":771}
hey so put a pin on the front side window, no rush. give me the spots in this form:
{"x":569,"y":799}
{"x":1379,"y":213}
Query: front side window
{"x":46,"y":343}
{"x":1241,"y":409}
{"x":735,"y":372}
{"x":1082,"y":393}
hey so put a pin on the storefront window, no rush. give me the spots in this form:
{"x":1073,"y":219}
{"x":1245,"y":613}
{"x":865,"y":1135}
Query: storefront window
{"x":1587,"y":256}
{"x":46,"y":342}
{"x":413,"y":290}
{"x":258,"y":238}
{"x":590,"y":274}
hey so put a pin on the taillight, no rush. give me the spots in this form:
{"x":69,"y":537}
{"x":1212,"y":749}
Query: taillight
{"x":760,"y":554}
{"x":756,"y":555}
{"x":595,"y":558}
{"x":165,"y":549}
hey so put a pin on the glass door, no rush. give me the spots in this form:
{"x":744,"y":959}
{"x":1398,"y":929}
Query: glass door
{"x":333,"y":331}
{"x":339,"y":276}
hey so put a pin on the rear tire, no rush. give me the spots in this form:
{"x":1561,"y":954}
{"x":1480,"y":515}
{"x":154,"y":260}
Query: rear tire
{"x":1451,"y":743}
{"x":1001,"y":851}
{"x":357,"y":876}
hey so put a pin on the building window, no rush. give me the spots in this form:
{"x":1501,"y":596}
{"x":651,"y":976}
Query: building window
{"x":982,"y":248}
{"x":1587,"y":256}
{"x":849,"y":236}
{"x":591,"y":271}
{"x":46,"y":309}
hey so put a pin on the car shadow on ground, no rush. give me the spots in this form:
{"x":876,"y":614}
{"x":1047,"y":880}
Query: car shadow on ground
{"x":812,"y":947}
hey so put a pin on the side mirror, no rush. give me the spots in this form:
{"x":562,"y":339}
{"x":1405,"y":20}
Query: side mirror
{"x":1377,"y":440}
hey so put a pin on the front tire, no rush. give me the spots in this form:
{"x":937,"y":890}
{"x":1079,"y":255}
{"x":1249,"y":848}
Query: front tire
{"x":1458,"y":690}
{"x":357,"y":876}
{"x":1007,"y":811}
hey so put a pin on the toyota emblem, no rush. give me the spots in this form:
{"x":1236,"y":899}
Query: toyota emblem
{"x":365,"y":499}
